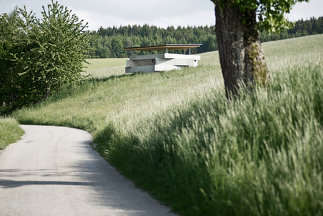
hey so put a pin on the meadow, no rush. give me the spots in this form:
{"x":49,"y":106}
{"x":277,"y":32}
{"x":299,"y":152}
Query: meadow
{"x":175,"y":135}
{"x":104,"y":67}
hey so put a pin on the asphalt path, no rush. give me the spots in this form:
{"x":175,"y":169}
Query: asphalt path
{"x":55,"y":171}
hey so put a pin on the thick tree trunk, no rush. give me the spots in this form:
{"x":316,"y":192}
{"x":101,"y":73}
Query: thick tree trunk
{"x":242,"y":60}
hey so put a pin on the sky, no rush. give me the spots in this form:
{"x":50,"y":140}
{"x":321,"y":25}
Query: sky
{"x":162,"y":13}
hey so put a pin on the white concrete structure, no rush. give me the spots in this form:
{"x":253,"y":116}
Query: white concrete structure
{"x":161,"y":62}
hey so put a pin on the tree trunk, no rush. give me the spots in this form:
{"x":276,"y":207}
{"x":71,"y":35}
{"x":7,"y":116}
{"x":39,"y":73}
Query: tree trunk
{"x":241,"y":57}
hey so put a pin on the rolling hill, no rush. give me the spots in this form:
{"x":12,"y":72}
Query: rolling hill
{"x":175,"y":135}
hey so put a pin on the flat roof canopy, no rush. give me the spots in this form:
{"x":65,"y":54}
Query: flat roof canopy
{"x":164,"y":46}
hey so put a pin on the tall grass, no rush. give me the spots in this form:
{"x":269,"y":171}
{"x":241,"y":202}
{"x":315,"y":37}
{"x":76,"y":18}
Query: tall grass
{"x":175,"y":135}
{"x":10,"y":132}
{"x":121,"y":100}
{"x":258,"y":155}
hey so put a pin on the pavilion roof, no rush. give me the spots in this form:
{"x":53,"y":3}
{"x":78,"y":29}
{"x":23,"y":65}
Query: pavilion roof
{"x":164,"y":47}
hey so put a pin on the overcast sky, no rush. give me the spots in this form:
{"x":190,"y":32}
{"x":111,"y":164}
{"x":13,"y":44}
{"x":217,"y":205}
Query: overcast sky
{"x":162,"y":13}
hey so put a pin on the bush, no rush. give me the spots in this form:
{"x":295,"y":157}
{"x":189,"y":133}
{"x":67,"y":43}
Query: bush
{"x":39,"y":56}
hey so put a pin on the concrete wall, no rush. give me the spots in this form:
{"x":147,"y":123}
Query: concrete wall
{"x":160,"y":62}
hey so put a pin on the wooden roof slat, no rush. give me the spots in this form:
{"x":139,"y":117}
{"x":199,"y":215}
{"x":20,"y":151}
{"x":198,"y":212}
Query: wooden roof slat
{"x":163,"y":47}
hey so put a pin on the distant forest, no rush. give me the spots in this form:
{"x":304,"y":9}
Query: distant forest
{"x":110,"y":42}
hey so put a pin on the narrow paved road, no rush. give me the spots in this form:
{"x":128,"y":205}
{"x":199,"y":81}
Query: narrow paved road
{"x":55,"y":171}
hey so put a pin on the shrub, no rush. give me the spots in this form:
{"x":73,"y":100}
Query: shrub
{"x":39,"y":56}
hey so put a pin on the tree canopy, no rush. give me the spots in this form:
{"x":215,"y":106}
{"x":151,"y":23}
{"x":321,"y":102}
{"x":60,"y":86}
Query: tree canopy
{"x":270,"y":13}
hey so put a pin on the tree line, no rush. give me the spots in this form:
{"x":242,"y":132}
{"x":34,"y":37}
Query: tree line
{"x":109,"y":42}
{"x":300,"y":28}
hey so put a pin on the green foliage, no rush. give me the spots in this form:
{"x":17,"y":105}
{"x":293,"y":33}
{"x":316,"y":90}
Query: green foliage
{"x":11,"y":38}
{"x":117,"y":47}
{"x":62,"y":43}
{"x":40,"y":55}
{"x":10,"y":132}
{"x":270,"y":13}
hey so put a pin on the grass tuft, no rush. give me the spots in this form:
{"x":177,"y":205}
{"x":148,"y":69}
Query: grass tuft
{"x":10,"y":132}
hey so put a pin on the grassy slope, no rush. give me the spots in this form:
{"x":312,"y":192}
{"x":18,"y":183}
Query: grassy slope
{"x":100,"y":68}
{"x":122,"y":100}
{"x":202,"y":156}
{"x":10,"y":131}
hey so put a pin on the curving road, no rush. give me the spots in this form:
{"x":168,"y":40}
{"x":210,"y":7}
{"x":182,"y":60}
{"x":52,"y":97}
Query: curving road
{"x":55,"y":171}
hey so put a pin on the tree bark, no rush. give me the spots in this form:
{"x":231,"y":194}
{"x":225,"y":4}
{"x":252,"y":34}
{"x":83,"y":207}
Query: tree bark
{"x":241,"y":57}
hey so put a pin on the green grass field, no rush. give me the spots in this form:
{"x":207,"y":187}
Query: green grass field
{"x":100,"y":68}
{"x":175,"y":135}
{"x":10,"y":132}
